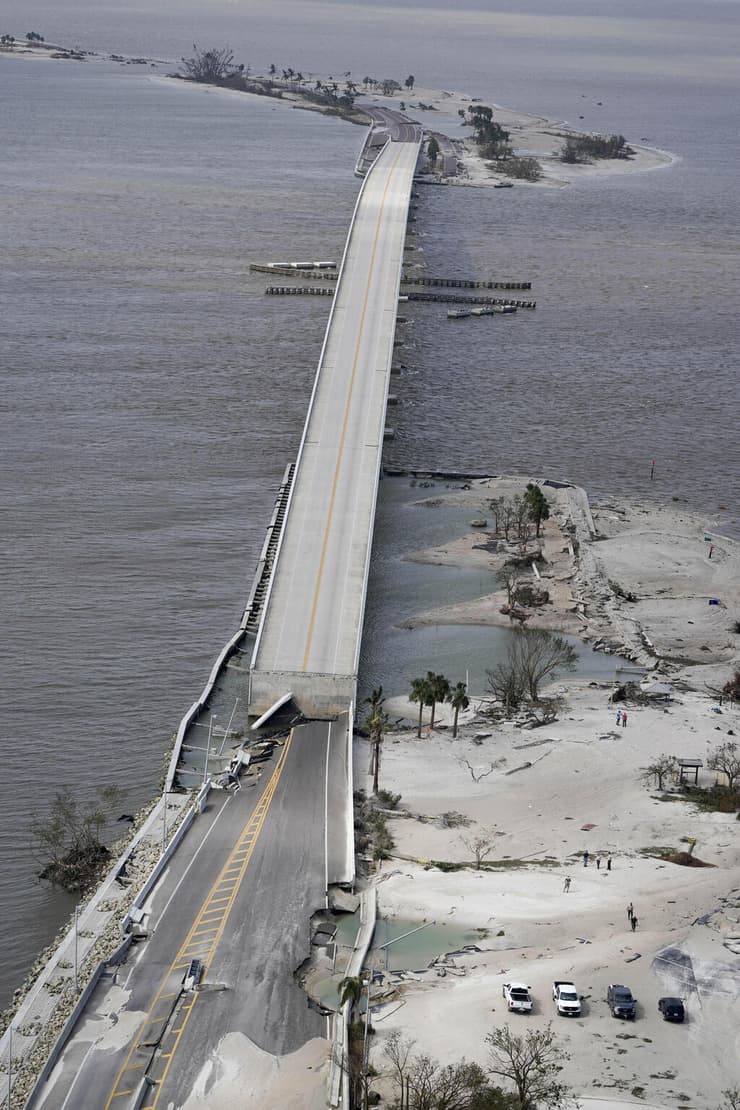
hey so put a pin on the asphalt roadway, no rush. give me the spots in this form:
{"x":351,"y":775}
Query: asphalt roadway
{"x":397,"y":125}
{"x":238,"y":896}
{"x":313,"y":616}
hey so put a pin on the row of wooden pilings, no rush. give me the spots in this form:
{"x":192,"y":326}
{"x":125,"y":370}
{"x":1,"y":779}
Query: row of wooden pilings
{"x":429,"y":282}
{"x":447,"y":298}
{"x":464,"y":283}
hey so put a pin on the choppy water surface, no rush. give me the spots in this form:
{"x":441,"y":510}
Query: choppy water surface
{"x":151,"y":395}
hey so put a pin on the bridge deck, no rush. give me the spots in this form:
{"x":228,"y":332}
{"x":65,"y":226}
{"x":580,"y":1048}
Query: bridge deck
{"x":312,"y":622}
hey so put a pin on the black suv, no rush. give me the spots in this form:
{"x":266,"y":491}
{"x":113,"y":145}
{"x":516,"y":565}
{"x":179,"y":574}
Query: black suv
{"x":671,"y":1009}
{"x":621,"y":1002}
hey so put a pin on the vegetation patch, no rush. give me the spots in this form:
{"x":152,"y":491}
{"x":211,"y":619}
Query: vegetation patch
{"x":69,"y":840}
{"x":579,"y":149}
{"x":520,"y":168}
{"x":371,"y":830}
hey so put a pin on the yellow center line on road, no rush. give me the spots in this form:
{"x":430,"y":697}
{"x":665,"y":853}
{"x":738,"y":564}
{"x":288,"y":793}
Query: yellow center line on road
{"x":345,"y":422}
{"x":249,"y":834}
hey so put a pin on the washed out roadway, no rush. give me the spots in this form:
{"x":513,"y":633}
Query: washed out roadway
{"x":239,"y":899}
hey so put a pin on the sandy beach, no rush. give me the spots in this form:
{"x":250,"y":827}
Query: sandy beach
{"x":531,"y":136}
{"x":545,"y":795}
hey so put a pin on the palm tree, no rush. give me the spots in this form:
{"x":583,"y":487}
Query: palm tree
{"x":458,"y":699}
{"x":376,"y":722}
{"x":439,"y":689}
{"x":420,"y":692}
{"x":350,"y":990}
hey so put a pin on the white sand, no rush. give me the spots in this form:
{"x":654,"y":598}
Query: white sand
{"x":585,"y":770}
{"x":531,"y":136}
{"x":241,"y":1074}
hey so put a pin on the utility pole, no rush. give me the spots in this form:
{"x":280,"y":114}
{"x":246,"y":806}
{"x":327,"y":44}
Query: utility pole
{"x":208,"y":749}
{"x":10,"y":1063}
{"x":77,"y":910}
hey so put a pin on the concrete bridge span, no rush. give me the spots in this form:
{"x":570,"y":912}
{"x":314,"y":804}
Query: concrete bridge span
{"x":309,"y":636}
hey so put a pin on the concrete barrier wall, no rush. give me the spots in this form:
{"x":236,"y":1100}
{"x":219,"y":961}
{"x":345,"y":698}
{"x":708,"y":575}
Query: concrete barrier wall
{"x":224,"y":655}
{"x":372,"y":146}
{"x":161,"y":863}
{"x":351,"y":794}
{"x":319,"y":695}
{"x":64,"y":1036}
{"x":338,"y":1075}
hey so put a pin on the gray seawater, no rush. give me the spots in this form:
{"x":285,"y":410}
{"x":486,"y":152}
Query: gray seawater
{"x":151,"y":396}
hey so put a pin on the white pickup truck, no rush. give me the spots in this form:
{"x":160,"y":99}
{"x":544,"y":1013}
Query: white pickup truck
{"x":565,"y":997}
{"x":518,"y":998}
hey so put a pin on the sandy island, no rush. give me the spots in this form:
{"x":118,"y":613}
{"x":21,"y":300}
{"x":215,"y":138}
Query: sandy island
{"x":553,"y":792}
{"x":438,"y":111}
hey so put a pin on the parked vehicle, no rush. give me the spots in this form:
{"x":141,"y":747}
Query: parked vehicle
{"x":518,"y":998}
{"x":621,"y":1002}
{"x":672,"y":1009}
{"x":565,"y":997}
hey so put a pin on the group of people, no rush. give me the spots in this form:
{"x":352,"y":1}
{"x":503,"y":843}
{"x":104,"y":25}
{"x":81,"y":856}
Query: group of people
{"x":632,"y":916}
{"x":587,"y":857}
{"x":621,"y":718}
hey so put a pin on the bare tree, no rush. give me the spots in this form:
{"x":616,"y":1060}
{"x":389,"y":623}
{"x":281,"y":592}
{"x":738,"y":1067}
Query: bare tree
{"x":398,"y":1052}
{"x":476,"y":776}
{"x":512,"y":515}
{"x":68,"y":840}
{"x":532,"y":1063}
{"x":481,"y":845}
{"x":659,"y":770}
{"x":209,"y":66}
{"x":510,"y":581}
{"x":726,"y":759}
{"x":731,"y":1099}
{"x":731,"y":688}
{"x":533,"y":656}
{"x":430,"y":1086}
{"x":497,"y":507}
{"x":506,"y":684}
{"x":522,"y":519}
{"x":537,"y":655}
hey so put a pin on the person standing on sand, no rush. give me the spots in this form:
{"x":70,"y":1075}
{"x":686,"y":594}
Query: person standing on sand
{"x":633,"y":922}
{"x":624,"y":720}
{"x":630,"y":911}
{"x":619,"y":717}
{"x":598,"y":863}
{"x":566,"y":884}
{"x":609,"y":863}
{"x":585,"y":858}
